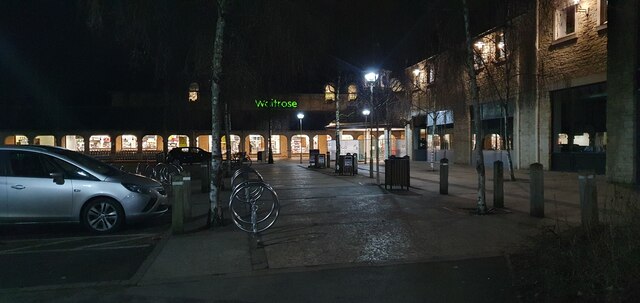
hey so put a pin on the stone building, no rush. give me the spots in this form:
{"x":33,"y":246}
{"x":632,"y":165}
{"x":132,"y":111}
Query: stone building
{"x":548,"y":64}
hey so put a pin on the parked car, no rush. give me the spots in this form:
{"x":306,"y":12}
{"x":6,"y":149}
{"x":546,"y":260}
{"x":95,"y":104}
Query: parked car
{"x":188,"y":155}
{"x":50,"y":184}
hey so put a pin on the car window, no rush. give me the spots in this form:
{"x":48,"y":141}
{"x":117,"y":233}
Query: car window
{"x":26,"y":164}
{"x":71,"y":171}
{"x":90,"y":162}
{"x":3,"y":162}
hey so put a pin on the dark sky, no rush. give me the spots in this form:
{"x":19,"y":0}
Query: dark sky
{"x":49,"y":50}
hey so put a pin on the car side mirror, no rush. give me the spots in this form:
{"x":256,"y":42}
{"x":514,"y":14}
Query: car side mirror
{"x":58,"y":178}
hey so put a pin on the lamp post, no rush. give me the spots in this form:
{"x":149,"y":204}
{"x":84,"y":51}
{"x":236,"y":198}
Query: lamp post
{"x":300,"y":117}
{"x":371,"y":78}
{"x":366,"y":113}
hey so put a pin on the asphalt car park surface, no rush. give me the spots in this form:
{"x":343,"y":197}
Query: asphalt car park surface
{"x":54,"y":254}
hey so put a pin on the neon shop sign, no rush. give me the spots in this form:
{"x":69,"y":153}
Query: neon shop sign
{"x":275,"y":103}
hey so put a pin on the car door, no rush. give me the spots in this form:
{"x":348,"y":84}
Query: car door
{"x":32,"y":194}
{"x":3,"y":186}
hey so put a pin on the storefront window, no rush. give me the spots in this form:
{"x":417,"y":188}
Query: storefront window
{"x":300,"y":144}
{"x":73,"y":142}
{"x":275,"y":144}
{"x":151,"y":143}
{"x":99,"y":143}
{"x":347,"y":137}
{"x":177,"y":141}
{"x":45,"y":140}
{"x":129,"y":142}
{"x":256,"y":143}
{"x":235,"y":144}
{"x":16,"y":140}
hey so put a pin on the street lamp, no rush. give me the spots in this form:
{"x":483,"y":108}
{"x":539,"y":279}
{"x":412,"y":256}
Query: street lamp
{"x":366,"y":113}
{"x":371,"y":78}
{"x":300,"y":117}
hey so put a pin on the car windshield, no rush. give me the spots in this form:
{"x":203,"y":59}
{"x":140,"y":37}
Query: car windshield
{"x":90,"y":163}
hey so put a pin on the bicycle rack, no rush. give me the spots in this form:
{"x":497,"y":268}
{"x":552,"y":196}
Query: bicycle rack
{"x":252,"y":210}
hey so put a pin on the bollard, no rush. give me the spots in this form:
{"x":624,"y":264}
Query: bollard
{"x":444,"y":176}
{"x":328,"y":160}
{"x":177,"y":216}
{"x":588,"y":199}
{"x":205,"y":183}
{"x":498,"y":185}
{"x":536,"y":195}
{"x":186,"y":194}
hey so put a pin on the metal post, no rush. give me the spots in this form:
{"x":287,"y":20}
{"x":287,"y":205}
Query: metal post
{"x":186,"y":194}
{"x":444,"y":176}
{"x":300,"y":139}
{"x":588,"y":199}
{"x":365,"y":138}
{"x":177,"y":212}
{"x":498,"y":185}
{"x":536,"y":196}
{"x":205,"y":183}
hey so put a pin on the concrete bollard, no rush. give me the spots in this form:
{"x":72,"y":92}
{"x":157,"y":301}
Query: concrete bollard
{"x":186,"y":194}
{"x":444,"y":176}
{"x":588,"y":199}
{"x":205,"y":184}
{"x":498,"y":184}
{"x":536,"y":196}
{"x":177,"y":212}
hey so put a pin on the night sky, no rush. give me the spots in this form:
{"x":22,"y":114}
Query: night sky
{"x":73,"y":53}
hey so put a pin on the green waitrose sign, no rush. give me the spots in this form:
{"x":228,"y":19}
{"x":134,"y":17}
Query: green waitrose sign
{"x":275,"y":103}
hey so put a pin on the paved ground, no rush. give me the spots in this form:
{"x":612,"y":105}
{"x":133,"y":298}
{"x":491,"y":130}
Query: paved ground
{"x":344,"y":239}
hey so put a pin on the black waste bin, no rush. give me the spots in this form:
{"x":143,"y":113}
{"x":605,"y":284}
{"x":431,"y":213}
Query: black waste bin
{"x":313,"y":153}
{"x":346,"y":166}
{"x":396,"y":172}
{"x":320,"y":161}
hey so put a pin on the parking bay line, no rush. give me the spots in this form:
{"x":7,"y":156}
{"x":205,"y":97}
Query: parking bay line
{"x":73,"y":249}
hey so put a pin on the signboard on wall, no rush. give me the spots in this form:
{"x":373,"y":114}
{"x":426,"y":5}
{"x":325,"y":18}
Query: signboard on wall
{"x":275,"y":103}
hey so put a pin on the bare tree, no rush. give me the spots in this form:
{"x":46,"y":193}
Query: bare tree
{"x":480,"y":169}
{"x":215,"y":211}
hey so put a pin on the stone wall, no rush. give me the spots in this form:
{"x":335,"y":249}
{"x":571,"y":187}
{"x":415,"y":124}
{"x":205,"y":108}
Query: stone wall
{"x":622,"y":109}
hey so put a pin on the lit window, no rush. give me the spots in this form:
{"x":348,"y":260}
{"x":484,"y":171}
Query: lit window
{"x":565,"y":21}
{"x":353,"y":92}
{"x":431,"y":74}
{"x":480,"y":54}
{"x":194,"y":91}
{"x":582,"y":140}
{"x":563,"y":139}
{"x":329,"y":92}
{"x":501,"y":52}
{"x":602,"y":7}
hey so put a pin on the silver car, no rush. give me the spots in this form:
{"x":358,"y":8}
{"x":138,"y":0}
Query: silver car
{"x":52,"y":184}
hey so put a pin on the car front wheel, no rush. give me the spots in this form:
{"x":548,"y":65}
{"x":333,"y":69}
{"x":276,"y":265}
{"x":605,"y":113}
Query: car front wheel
{"x":102,"y":216}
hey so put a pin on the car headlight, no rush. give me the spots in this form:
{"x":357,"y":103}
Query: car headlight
{"x":136,"y":188}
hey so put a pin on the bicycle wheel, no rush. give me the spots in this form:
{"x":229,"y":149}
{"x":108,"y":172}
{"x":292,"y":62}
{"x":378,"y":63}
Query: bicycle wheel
{"x":257,"y":213}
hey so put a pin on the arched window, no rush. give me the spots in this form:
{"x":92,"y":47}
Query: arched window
{"x":352,"y":90}
{"x":329,"y":92}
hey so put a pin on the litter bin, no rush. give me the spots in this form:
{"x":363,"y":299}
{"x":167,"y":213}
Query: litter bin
{"x":313,"y":157}
{"x":346,"y":166}
{"x":396,"y":172}
{"x":320,"y":161}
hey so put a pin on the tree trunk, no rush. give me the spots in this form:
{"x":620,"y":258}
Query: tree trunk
{"x":215,"y":211}
{"x":481,"y":205}
{"x":227,"y":122}
{"x":507,"y":144}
